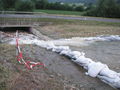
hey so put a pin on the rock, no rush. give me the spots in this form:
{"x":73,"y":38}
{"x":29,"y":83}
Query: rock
{"x":51,"y":76}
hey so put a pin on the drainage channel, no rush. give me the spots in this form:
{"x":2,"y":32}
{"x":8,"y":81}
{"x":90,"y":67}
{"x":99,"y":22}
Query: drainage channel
{"x":14,"y":29}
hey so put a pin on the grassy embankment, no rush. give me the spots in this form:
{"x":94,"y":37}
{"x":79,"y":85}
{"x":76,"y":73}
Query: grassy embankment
{"x":61,"y":12}
{"x":60,"y":28}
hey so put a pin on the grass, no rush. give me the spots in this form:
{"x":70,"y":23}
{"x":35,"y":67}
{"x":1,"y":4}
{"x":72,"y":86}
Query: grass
{"x":60,"y":12}
{"x":78,"y":22}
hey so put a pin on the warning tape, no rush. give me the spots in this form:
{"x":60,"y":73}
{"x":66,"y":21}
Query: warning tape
{"x":20,"y":58}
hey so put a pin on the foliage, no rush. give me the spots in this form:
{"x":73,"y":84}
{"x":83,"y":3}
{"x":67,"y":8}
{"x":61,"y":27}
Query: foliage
{"x":41,"y":4}
{"x":54,"y":6}
{"x":105,"y":8}
{"x":79,"y":8}
{"x":24,"y":5}
{"x":1,"y":5}
{"x":74,"y":1}
{"x":7,"y":4}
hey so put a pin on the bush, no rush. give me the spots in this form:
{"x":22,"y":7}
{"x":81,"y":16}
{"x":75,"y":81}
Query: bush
{"x":24,"y":5}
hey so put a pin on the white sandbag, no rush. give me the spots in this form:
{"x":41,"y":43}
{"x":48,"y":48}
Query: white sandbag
{"x":108,"y":73}
{"x":83,"y":61}
{"x":60,"y":48}
{"x":94,"y":68}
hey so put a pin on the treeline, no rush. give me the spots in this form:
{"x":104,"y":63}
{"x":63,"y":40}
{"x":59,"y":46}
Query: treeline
{"x":44,"y":4}
{"x":103,"y":8}
{"x":18,"y":5}
{"x":30,"y":5}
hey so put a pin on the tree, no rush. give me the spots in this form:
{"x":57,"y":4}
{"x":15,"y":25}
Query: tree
{"x":68,"y":7}
{"x":8,"y":4}
{"x":41,"y":4}
{"x":24,"y":5}
{"x":105,"y":8}
{"x":79,"y":8}
{"x":1,"y":5}
{"x":90,"y":6}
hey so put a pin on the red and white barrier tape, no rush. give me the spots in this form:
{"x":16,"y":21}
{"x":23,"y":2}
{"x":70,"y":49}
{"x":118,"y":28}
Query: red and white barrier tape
{"x":20,"y":58}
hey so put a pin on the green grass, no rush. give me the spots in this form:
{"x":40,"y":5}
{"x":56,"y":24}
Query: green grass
{"x":61,"y":12}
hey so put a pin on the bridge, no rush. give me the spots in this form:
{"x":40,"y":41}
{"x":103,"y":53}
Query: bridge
{"x":19,"y":19}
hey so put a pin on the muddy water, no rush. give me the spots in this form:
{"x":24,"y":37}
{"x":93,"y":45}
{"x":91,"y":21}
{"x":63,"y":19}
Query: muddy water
{"x":105,"y":52}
